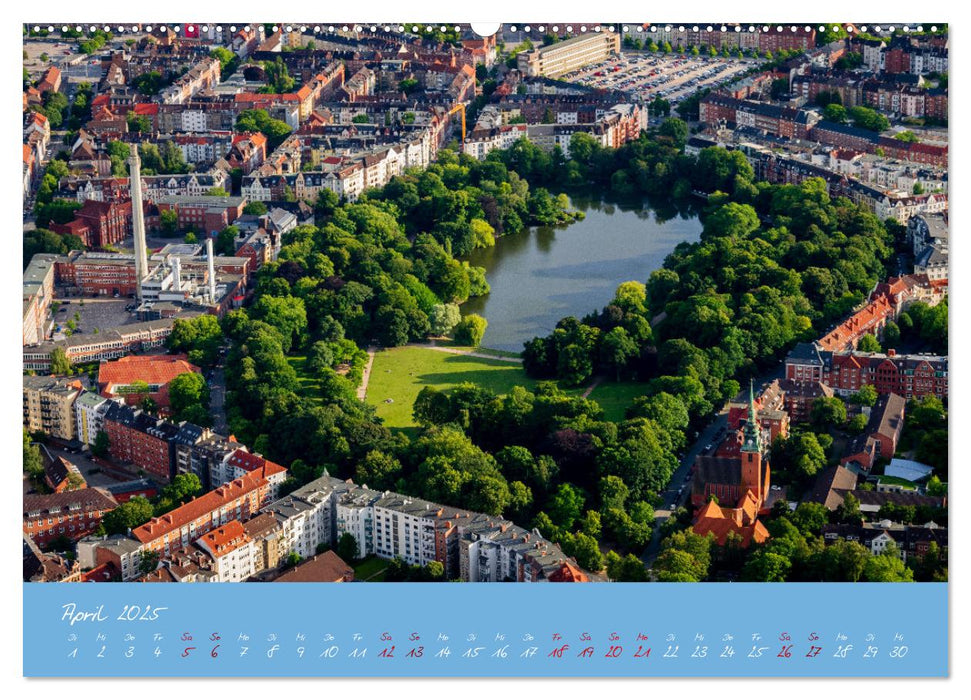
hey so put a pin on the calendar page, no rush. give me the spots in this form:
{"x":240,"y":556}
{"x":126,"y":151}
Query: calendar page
{"x":525,"y":349}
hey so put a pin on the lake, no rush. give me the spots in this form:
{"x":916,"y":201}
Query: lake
{"x":544,"y":273}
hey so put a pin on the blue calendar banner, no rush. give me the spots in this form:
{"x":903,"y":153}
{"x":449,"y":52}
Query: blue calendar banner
{"x":429,"y":630}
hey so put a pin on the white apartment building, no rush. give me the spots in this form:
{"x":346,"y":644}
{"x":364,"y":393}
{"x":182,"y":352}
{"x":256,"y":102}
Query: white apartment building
{"x":89,"y":411}
{"x":566,"y":56}
{"x":232,"y":552}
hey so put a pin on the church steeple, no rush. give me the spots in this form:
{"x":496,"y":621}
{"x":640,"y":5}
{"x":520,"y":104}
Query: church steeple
{"x":752,"y":441}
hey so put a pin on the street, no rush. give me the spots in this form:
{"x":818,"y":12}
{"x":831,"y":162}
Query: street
{"x":217,"y":398}
{"x":671,"y":496}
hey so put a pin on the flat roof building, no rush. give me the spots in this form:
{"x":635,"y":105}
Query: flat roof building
{"x":566,"y":56}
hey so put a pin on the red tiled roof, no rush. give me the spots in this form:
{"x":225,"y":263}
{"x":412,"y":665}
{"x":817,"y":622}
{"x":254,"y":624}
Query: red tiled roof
{"x":249,"y":462}
{"x":100,"y":574}
{"x":718,"y":521}
{"x":151,"y":369}
{"x":567,"y":573}
{"x":196,"y":508}
{"x":225,"y":539}
{"x":322,"y":568}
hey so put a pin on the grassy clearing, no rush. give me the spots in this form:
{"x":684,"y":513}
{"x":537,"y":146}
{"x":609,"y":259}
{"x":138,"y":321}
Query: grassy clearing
{"x":400,"y":373}
{"x":309,"y":386}
{"x":370,"y":569}
{"x":615,"y":397}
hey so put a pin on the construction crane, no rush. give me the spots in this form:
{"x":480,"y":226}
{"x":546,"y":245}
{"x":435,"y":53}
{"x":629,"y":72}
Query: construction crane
{"x":460,"y":107}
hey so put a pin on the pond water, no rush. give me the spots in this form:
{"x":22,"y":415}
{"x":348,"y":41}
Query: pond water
{"x":542,"y":274}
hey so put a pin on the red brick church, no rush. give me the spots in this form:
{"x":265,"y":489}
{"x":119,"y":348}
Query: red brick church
{"x":739,"y":485}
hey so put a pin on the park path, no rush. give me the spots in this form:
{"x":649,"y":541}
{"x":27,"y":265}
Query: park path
{"x":593,"y":385}
{"x":470,"y":353}
{"x":366,"y":375}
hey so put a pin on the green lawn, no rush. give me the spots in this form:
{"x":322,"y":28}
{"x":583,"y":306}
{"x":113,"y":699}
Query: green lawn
{"x":309,"y":386}
{"x":615,"y":397}
{"x":400,"y":373}
{"x":371,"y":569}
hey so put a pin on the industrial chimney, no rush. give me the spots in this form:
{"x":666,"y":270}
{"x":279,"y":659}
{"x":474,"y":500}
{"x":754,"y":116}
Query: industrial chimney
{"x":176,"y":274}
{"x":138,"y":219}
{"x":212,"y":271}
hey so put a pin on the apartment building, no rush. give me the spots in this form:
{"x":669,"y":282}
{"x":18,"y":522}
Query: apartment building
{"x":232,"y":552}
{"x":237,"y":500}
{"x":470,"y":546}
{"x":48,"y":405}
{"x":70,"y":514}
{"x":569,"y":55}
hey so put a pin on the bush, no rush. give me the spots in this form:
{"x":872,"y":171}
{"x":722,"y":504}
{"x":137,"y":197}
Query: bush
{"x":470,"y":330}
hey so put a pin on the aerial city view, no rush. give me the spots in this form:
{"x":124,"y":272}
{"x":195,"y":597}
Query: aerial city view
{"x":566,"y":303}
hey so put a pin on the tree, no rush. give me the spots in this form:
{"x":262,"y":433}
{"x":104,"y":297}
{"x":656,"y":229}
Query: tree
{"x":182,"y":488}
{"x":188,"y":393}
{"x":565,"y":506}
{"x":225,"y":243}
{"x":587,"y":552}
{"x":675,"y":130}
{"x":887,"y":567}
{"x":60,"y":364}
{"x":169,"y":220}
{"x":628,"y":568}
{"x":827,"y":411}
{"x":685,"y":558}
{"x":148,"y":562}
{"x":766,"y":565}
{"x":470,"y":330}
{"x":617,"y":350}
{"x":255,"y":209}
{"x":869,"y":343}
{"x":935,"y":487}
{"x":347,"y":547}
{"x":129,"y":515}
{"x":849,"y":510}
{"x":867,"y":118}
{"x":857,"y":424}
{"x":443,"y":318}
{"x":378,"y":470}
{"x":866,"y":396}
{"x":33,"y":462}
{"x":835,"y":113}
{"x":99,"y":448}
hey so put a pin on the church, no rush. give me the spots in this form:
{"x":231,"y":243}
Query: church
{"x":739,"y":485}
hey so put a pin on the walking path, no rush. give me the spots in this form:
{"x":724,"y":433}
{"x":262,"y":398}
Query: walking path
{"x":593,"y":385}
{"x":366,"y":375}
{"x":470,"y":353}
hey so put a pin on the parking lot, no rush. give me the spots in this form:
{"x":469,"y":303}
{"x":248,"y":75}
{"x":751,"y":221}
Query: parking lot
{"x":673,"y":77}
{"x":101,"y":314}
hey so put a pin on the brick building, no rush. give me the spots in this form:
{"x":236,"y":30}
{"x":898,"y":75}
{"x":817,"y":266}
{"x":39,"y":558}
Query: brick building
{"x":99,"y":224}
{"x":71,"y":514}
{"x":882,"y":433}
{"x":115,"y":377}
{"x":785,"y":122}
{"x":206,"y":214}
{"x":237,"y":500}
{"x":909,"y":376}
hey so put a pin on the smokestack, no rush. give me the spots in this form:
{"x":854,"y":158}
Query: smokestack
{"x":138,"y":219}
{"x":212,"y":271}
{"x":176,"y":274}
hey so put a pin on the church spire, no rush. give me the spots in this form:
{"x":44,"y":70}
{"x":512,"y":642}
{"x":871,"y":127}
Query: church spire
{"x":753,"y":435}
